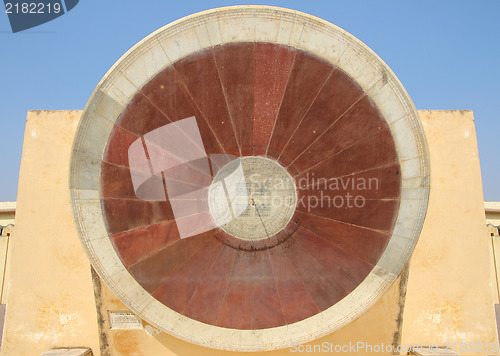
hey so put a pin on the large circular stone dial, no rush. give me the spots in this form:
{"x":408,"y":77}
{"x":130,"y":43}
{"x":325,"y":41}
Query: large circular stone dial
{"x":249,"y":177}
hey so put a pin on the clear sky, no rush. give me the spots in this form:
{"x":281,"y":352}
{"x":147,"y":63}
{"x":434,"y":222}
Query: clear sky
{"x":446,"y":54}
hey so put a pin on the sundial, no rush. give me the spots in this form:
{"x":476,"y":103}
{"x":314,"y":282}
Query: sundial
{"x":203,"y":171}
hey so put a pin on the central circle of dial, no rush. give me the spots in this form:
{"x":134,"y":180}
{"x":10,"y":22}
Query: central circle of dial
{"x":252,"y":198}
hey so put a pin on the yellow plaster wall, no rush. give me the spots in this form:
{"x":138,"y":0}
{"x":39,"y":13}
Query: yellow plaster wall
{"x":7,"y":218}
{"x":495,"y":254}
{"x":5,"y":253}
{"x":493,"y":217}
{"x":50,"y":301}
{"x":450,"y":294}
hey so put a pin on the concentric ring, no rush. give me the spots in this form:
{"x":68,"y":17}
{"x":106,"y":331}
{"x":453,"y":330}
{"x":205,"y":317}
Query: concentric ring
{"x":268,"y":199}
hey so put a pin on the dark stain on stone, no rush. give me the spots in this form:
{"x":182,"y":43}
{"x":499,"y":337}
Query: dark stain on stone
{"x":103,"y":339}
{"x":403,"y":284}
{"x":384,"y":77}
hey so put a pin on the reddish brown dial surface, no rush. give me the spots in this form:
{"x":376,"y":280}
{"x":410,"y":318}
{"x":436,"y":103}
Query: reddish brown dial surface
{"x":259,"y":99}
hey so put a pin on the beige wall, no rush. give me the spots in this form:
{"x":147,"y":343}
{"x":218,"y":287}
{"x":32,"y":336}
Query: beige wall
{"x":7,"y":218}
{"x":5,"y":254}
{"x":7,"y":212}
{"x":495,"y":244}
{"x":450,"y":294}
{"x":493,"y":218}
{"x":51,"y":301}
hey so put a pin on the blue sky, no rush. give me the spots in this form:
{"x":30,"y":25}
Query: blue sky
{"x":446,"y":54}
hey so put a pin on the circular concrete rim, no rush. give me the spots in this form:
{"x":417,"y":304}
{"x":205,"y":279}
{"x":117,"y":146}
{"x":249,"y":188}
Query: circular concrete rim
{"x":239,"y":24}
{"x":289,"y":213}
